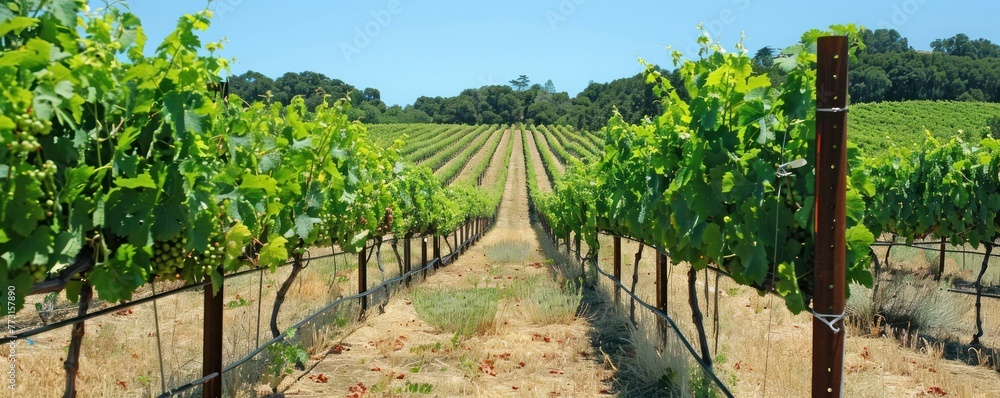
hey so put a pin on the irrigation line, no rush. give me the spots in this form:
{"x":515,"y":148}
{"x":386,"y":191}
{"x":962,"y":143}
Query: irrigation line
{"x":325,"y":309}
{"x":337,"y":302}
{"x":673,"y":326}
{"x":109,"y":310}
{"x":53,"y":326}
{"x":155,"y":296}
{"x":715,"y":269}
{"x":988,"y":295}
{"x":189,"y":386}
{"x":923,"y":246}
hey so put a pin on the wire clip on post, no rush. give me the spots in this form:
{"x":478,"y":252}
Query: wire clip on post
{"x":783,"y":169}
{"x":830,"y":319}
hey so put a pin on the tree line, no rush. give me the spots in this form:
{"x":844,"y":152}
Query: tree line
{"x":956,"y":69}
{"x":888,"y":69}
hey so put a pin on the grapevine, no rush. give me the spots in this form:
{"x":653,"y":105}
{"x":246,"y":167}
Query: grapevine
{"x":136,"y":163}
{"x":701,"y":180}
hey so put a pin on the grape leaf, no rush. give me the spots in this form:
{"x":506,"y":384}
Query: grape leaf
{"x":15,"y":24}
{"x":274,"y":253}
{"x":21,"y":284}
{"x":23,"y":211}
{"x":73,"y":289}
{"x":140,"y":181}
{"x":122,"y":275}
{"x":237,"y":238}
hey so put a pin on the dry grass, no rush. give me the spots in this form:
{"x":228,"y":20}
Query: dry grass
{"x":907,"y":302}
{"x":121,"y":355}
{"x":761,"y":344}
{"x":508,"y":251}
{"x":465,"y":312}
{"x":545,"y":302}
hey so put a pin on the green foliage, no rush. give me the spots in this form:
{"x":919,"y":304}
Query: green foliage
{"x":428,"y":207}
{"x":701,"y":179}
{"x":993,"y":127}
{"x":876,"y":127}
{"x":914,"y":75}
{"x":313,"y":87}
{"x":416,"y":388}
{"x":479,"y":169}
{"x":548,"y":156}
{"x":955,"y":183}
{"x":136,"y":163}
{"x":285,"y":356}
{"x":237,"y":303}
{"x":449,"y":171}
{"x":962,"y":46}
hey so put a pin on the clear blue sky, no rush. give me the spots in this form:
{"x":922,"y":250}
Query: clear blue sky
{"x":409,"y":48}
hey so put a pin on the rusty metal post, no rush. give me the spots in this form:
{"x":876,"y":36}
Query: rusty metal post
{"x":662,"y":286}
{"x":662,"y":283}
{"x":212,"y":342}
{"x":829,"y":298}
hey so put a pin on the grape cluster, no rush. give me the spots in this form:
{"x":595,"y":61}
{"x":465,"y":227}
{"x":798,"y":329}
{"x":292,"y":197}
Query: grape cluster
{"x":169,"y":257}
{"x":37,"y":271}
{"x":172,"y":262}
{"x":48,"y":170}
{"x":45,"y":176}
{"x":212,"y":259}
{"x":27,"y":128}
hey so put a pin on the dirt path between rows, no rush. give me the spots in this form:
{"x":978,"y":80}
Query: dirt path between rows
{"x":482,"y":153}
{"x":544,"y":184}
{"x":543,"y":145}
{"x":493,"y":170}
{"x":396,"y":352}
